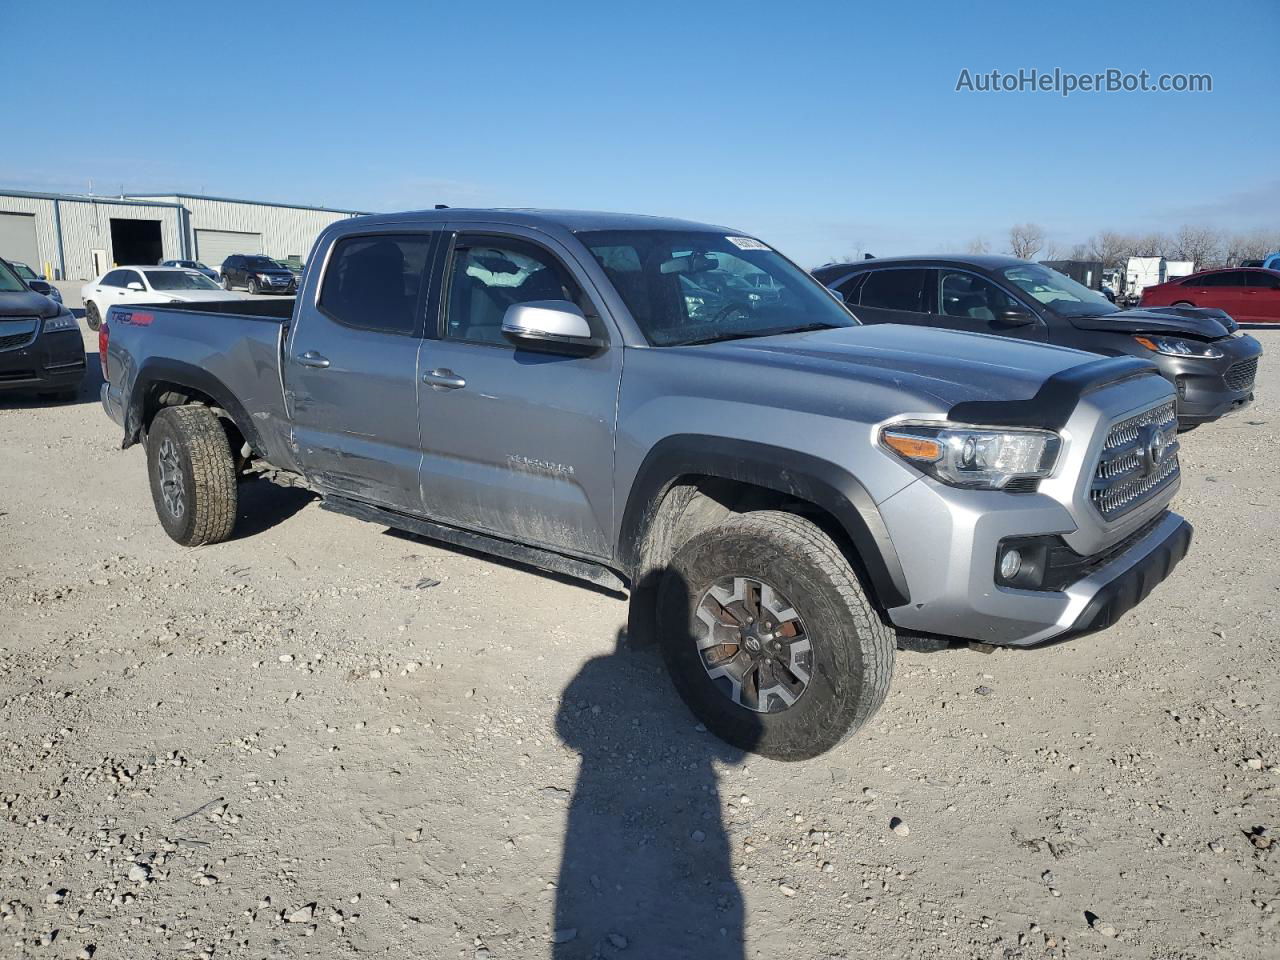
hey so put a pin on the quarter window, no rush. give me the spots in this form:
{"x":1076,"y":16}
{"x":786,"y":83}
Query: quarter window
{"x":488,"y":276}
{"x":894,"y":290}
{"x":374,"y":282}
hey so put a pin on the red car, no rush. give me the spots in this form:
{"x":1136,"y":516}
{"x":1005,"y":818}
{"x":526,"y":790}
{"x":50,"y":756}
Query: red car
{"x":1249,"y":294}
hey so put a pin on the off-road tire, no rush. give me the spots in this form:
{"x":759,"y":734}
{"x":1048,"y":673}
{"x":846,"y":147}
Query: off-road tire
{"x":92,"y":318}
{"x":853,"y":650}
{"x":203,"y":458}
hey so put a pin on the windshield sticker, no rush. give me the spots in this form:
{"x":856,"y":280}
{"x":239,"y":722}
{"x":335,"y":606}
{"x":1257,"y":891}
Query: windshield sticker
{"x":746,"y":243}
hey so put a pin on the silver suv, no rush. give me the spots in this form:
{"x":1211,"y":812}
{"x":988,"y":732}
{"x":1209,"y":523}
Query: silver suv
{"x":679,"y":411}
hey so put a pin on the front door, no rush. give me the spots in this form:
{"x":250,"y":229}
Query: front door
{"x":966,"y":301}
{"x":516,"y":443}
{"x":351,"y":370}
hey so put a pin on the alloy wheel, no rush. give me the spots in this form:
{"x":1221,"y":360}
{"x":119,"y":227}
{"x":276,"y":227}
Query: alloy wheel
{"x":172,"y":486}
{"x":755,"y":647}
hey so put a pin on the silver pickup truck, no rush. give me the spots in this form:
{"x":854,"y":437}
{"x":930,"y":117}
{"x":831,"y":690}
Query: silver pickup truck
{"x":679,"y":411}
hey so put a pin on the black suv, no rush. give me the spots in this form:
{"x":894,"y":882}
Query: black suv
{"x":257,"y":274}
{"x":1201,"y":351}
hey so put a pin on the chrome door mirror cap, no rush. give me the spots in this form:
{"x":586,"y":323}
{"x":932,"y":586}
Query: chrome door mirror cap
{"x":547,"y":321}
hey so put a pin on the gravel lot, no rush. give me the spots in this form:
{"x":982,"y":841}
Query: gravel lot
{"x":323,"y":739}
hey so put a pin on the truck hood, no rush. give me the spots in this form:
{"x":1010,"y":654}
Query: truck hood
{"x":1201,"y":322}
{"x":946,"y":365}
{"x":27,"y":304}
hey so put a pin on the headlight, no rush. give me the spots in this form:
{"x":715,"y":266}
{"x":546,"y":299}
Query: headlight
{"x":55,"y":294}
{"x":1172,"y":347}
{"x":63,"y":321}
{"x":263,"y":277}
{"x":974,"y":457}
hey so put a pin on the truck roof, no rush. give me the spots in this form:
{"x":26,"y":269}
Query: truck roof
{"x":571,"y":220}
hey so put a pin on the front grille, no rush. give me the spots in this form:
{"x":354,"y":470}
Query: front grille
{"x":25,"y":332}
{"x":1239,"y":376}
{"x":1138,"y":460}
{"x":15,"y":340}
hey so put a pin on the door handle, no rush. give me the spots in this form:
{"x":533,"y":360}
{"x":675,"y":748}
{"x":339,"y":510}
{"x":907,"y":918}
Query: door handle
{"x":313,"y":359}
{"x":444,"y":379}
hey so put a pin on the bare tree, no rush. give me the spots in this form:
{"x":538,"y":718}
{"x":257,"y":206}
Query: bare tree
{"x":1201,"y":245}
{"x":1111,"y":247}
{"x":977,"y":245}
{"x":1151,"y":245}
{"x":1025,"y":240}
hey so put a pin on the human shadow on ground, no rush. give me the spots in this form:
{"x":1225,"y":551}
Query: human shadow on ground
{"x":647,"y":861}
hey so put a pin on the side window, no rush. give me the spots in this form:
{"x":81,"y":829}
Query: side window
{"x":487,"y":276}
{"x":1225,"y":278}
{"x":849,"y":289}
{"x":112,"y":279}
{"x":962,"y":294}
{"x":894,"y":290}
{"x":129,"y":276}
{"x":373,"y":282}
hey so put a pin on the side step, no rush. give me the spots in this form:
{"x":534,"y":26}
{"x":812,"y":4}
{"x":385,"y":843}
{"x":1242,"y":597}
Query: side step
{"x":481,"y":543}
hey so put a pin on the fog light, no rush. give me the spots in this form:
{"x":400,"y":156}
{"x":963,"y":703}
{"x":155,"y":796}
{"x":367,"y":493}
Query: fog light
{"x":1010,"y":564}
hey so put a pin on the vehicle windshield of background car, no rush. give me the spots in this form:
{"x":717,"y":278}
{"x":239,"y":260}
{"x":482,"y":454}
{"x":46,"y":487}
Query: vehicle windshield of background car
{"x":25,"y":272}
{"x":686,"y":287}
{"x":1059,"y":292}
{"x":262,"y":263}
{"x":179,"y":280}
{"x":9,"y":282}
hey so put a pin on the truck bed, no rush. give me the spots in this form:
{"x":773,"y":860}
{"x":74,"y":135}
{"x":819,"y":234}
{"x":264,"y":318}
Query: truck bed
{"x":228,"y":349}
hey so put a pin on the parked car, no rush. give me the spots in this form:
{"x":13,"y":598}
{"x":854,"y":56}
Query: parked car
{"x":146,"y":285}
{"x":196,"y":265}
{"x":774,"y":483}
{"x":36,"y":282}
{"x":1201,"y":352}
{"x":257,"y":274}
{"x":1249,"y":295}
{"x":41,"y":349}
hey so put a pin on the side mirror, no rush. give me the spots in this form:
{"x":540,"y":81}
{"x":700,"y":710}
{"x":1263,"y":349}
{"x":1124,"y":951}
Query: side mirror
{"x":837,"y":294}
{"x":1014,"y":317}
{"x":135,"y":285}
{"x":548,"y":324}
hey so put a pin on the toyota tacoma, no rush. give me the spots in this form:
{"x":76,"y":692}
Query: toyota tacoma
{"x":679,"y":411}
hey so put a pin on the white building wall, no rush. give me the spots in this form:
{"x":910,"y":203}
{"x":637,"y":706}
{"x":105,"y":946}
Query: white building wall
{"x":86,"y":226}
{"x":286,"y":231}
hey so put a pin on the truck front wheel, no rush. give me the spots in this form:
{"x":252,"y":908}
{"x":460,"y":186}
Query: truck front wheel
{"x":193,"y":477}
{"x":769,"y":637}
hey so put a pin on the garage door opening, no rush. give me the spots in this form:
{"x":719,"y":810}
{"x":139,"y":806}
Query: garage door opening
{"x":214,"y":246}
{"x":136,"y":242}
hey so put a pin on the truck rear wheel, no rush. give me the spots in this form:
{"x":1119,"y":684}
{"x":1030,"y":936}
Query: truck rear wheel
{"x":193,"y":477}
{"x":769,"y":637}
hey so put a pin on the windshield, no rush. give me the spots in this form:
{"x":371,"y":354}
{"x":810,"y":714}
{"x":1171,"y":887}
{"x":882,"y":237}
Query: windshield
{"x":25,"y":272}
{"x":9,"y":282}
{"x":1058,"y":292}
{"x":263,"y":263}
{"x":179,"y":280}
{"x":691,"y":286}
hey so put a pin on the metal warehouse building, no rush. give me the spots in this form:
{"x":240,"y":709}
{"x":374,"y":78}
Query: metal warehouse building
{"x":75,"y":237}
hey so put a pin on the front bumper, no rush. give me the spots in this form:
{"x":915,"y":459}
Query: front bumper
{"x":276,"y":285}
{"x":50,"y":362}
{"x":1209,"y":389}
{"x":948,"y":541}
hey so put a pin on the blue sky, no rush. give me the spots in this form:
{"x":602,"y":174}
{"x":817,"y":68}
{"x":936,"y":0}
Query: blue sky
{"x":826,"y":129}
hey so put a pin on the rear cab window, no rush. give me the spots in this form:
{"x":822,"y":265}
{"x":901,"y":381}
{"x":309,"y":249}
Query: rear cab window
{"x":376,"y":282}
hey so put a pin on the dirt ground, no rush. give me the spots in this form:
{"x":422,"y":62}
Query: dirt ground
{"x":323,"y":739}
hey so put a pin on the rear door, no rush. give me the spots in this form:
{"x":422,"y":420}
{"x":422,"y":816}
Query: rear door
{"x":1223,"y":289}
{"x":516,"y":443}
{"x":351,"y":368}
{"x":1261,"y":297}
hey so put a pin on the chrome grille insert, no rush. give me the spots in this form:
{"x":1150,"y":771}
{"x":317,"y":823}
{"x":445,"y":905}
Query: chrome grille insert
{"x":1138,"y":460}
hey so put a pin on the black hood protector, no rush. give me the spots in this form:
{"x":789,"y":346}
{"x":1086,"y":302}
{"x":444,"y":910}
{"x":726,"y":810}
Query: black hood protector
{"x":27,"y":304}
{"x":1204,"y":323}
